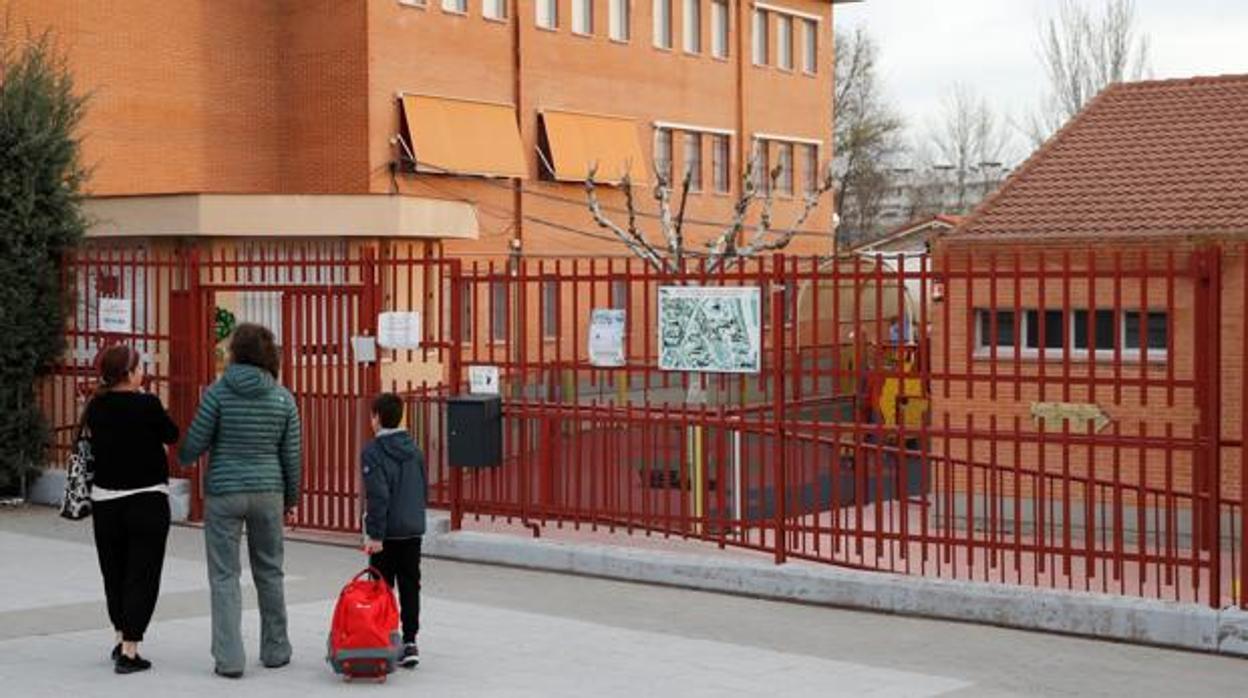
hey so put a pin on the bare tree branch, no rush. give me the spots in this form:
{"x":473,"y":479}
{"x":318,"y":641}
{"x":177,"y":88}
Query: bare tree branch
{"x":725,"y":246}
{"x":678,"y":231}
{"x":631,"y":238}
{"x":810,"y":202}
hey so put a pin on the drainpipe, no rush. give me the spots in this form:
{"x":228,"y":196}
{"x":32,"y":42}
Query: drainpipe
{"x":743,"y":17}
{"x":517,"y":195}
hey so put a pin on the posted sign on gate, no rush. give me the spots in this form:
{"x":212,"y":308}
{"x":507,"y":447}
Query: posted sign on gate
{"x":398,"y":330}
{"x":710,"y":329}
{"x":115,"y":316}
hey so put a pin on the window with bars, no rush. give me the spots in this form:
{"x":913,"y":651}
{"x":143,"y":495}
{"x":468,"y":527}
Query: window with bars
{"x":1097,"y":332}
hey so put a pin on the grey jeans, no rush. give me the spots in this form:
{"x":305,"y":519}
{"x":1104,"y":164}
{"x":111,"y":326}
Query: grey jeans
{"x":224,"y":518}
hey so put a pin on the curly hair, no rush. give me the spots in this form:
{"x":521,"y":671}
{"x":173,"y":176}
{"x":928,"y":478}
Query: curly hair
{"x":254,"y":345}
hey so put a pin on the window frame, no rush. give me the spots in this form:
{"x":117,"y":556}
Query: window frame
{"x":461,"y":8}
{"x":499,"y":5}
{"x":664,"y":38}
{"x":550,"y":309}
{"x":664,"y":167}
{"x":552,"y":17}
{"x":762,"y":155}
{"x":810,"y":168}
{"x":724,"y":166}
{"x":618,"y":32}
{"x":691,"y":27}
{"x":760,"y":39}
{"x":810,"y":46}
{"x":495,"y":327}
{"x":688,"y":138}
{"x":721,"y":41}
{"x":784,"y":42}
{"x":582,"y":10}
{"x":784,"y":160}
{"x":1080,"y":352}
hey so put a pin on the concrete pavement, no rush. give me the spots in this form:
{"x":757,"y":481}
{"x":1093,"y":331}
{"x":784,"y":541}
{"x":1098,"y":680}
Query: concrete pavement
{"x":495,"y":631}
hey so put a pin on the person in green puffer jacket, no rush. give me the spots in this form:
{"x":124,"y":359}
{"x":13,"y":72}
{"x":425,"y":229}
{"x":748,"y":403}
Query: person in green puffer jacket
{"x":249,"y":426}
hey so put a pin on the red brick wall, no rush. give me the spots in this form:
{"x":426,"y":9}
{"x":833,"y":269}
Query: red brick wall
{"x":1168,"y":402}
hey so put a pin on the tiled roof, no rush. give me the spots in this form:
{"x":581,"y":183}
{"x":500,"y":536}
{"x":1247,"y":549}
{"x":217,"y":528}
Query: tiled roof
{"x":1161,"y":158}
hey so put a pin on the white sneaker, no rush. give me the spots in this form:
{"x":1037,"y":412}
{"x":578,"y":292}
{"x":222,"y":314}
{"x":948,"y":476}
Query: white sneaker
{"x":410,"y":657}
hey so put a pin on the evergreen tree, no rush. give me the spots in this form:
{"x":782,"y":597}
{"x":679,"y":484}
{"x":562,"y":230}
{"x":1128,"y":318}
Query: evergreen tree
{"x":41,"y":220}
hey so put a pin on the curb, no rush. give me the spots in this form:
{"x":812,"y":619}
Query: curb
{"x":1140,"y":621}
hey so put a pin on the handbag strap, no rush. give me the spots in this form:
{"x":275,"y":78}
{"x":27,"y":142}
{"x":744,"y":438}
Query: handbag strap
{"x":82,"y":422}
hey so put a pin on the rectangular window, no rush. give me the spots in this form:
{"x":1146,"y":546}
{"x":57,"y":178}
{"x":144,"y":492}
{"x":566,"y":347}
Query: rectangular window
{"x":663,"y":153}
{"x":456,"y":6}
{"x":663,"y":23}
{"x":760,"y":38}
{"x":784,"y":161}
{"x":810,"y":46}
{"x":1102,"y":322}
{"x":621,"y":20}
{"x":784,"y":42}
{"x":498,"y":311}
{"x":583,"y":17}
{"x":1156,"y":331}
{"x":1054,"y":330}
{"x":548,"y":14}
{"x":762,"y":167}
{"x":719,"y":28}
{"x":550,"y":309}
{"x":810,"y":168}
{"x":693,"y":26}
{"x":1000,"y":334}
{"x":720,"y":162}
{"x":467,"y":288}
{"x":494,"y":9}
{"x":693,"y":159}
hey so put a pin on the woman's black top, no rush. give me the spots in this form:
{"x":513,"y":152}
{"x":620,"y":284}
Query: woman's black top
{"x":128,"y":432}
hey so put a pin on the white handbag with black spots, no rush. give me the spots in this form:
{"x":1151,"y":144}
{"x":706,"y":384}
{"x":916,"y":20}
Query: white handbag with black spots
{"x":79,"y":472}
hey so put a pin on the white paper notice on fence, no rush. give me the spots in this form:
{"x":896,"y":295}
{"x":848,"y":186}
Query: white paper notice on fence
{"x":398,"y":330}
{"x":365,"y":349}
{"x":710,"y":329}
{"x":483,"y":380}
{"x":116,"y":316}
{"x":606,"y":337}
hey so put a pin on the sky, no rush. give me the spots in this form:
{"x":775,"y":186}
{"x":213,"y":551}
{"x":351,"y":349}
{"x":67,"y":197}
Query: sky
{"x":991,"y":46}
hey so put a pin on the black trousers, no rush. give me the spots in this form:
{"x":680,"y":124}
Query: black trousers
{"x":399,"y":561}
{"x":130,"y":535}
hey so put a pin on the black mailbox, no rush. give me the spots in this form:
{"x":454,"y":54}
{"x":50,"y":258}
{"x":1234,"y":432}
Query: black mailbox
{"x":475,"y":431}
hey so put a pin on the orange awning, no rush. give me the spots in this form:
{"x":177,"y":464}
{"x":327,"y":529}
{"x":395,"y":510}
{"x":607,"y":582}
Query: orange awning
{"x":576,"y":142}
{"x":464,"y":137}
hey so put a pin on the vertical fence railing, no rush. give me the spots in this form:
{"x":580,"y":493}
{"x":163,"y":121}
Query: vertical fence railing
{"x":1050,"y":418}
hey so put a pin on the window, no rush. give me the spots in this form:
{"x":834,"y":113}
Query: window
{"x":663,"y":23}
{"x":498,"y":311}
{"x":467,"y":288}
{"x":494,"y":9}
{"x":663,"y":153}
{"x":810,"y":168}
{"x":1104,"y":327}
{"x":784,"y":161}
{"x":784,"y":42}
{"x":810,"y":46}
{"x":760,"y":38}
{"x":693,"y":160}
{"x":719,"y":28}
{"x":621,"y":20}
{"x":583,"y":17}
{"x":720,"y":162}
{"x":762,"y":167}
{"x":548,"y":14}
{"x":693,"y":26}
{"x":456,"y":6}
{"x":550,"y":309}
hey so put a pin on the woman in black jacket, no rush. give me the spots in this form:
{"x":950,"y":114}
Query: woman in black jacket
{"x":130,"y":497}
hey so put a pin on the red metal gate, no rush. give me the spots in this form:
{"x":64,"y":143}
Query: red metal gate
{"x":1048,"y":417}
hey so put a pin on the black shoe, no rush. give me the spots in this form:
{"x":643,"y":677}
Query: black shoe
{"x":277,"y":665}
{"x":116,"y":653}
{"x":130,"y":665}
{"x":227,"y":674}
{"x":410,"y":657}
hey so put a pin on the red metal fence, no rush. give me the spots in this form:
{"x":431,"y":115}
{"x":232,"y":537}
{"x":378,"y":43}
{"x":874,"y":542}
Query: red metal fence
{"x":1063,"y":418}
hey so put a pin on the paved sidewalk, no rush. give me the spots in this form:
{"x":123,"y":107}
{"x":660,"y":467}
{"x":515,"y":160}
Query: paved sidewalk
{"x":491,"y":631}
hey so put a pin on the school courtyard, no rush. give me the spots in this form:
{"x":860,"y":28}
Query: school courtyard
{"x":497,"y":631}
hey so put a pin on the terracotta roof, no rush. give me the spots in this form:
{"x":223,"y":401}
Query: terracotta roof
{"x":1161,"y":158}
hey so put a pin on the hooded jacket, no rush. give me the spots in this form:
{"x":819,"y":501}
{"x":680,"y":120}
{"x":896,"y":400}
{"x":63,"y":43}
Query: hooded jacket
{"x":396,"y":485}
{"x":250,"y":426}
